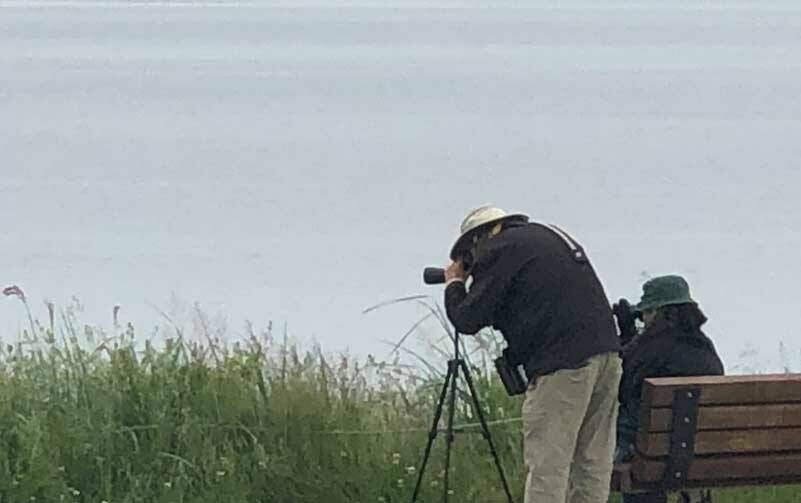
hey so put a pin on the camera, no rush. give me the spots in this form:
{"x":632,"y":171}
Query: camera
{"x":626,"y":317}
{"x":433,"y":275}
{"x":436,"y":275}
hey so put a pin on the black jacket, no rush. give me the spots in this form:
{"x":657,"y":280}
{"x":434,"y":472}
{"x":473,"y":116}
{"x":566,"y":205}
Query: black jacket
{"x":549,"y":306}
{"x":664,"y":350}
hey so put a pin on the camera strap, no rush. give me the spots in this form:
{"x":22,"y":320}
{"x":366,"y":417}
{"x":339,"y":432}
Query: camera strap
{"x":575,"y":249}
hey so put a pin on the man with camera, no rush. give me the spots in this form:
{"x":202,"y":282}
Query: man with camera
{"x":535,"y":284}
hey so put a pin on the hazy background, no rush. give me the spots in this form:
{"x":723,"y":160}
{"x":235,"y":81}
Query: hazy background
{"x":301,"y":163}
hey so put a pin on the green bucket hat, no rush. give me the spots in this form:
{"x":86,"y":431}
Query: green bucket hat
{"x":664,"y":291}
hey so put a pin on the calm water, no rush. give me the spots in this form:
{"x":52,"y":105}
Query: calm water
{"x":300,"y":164}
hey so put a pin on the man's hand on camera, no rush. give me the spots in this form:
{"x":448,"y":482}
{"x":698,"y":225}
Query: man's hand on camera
{"x":455,"y":272}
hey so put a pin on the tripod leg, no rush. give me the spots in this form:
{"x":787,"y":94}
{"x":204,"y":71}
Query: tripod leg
{"x":449,"y":430}
{"x":432,"y":434}
{"x":484,"y":428}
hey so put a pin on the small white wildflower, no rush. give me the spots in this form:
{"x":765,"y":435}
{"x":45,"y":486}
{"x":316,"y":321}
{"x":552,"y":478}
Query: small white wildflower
{"x":61,"y":469}
{"x":262,"y":465}
{"x":400,"y":482}
{"x":410,"y":470}
{"x":450,"y":491}
{"x":221,"y":473}
{"x":343,"y":454}
{"x":76,"y":492}
{"x":381,"y":498}
{"x":168,"y":485}
{"x":396,"y":455}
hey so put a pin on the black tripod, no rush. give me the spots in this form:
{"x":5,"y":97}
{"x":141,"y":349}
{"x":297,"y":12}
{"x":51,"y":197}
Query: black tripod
{"x":454,"y":365}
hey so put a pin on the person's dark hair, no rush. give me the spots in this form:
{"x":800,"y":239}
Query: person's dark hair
{"x":688,"y":317}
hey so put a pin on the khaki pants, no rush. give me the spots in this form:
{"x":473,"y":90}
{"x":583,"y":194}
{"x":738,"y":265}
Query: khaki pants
{"x":569,"y":426}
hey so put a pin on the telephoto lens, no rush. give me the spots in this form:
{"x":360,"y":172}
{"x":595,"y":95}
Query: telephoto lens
{"x":433,"y":275}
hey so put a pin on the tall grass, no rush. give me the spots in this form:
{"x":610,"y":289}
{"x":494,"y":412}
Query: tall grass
{"x":90,"y":418}
{"x":84,"y":417}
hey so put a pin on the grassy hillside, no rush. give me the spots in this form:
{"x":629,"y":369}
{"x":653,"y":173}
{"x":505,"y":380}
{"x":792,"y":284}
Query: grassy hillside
{"x":83,"y":419}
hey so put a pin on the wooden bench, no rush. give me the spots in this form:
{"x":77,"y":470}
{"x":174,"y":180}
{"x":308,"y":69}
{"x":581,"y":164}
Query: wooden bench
{"x":698,"y":432}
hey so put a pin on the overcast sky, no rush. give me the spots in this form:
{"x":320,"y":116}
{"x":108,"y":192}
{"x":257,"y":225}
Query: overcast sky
{"x":302,"y":164}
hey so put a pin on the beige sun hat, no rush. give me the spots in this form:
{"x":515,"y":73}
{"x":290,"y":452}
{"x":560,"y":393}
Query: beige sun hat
{"x":478,"y":219}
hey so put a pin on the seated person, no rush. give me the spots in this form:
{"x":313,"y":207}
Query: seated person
{"x":671,"y":345}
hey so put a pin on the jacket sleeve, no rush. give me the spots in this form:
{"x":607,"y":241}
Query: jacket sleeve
{"x":466,"y":314}
{"x":471,"y":310}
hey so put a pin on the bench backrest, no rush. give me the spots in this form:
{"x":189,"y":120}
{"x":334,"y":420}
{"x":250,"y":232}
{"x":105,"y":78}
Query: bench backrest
{"x":721,"y":430}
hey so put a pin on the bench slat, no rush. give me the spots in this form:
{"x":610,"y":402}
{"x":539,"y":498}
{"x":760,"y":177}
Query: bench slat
{"x":727,"y":470}
{"x":726,"y":390}
{"x":728,"y":441}
{"x":733,"y":417}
